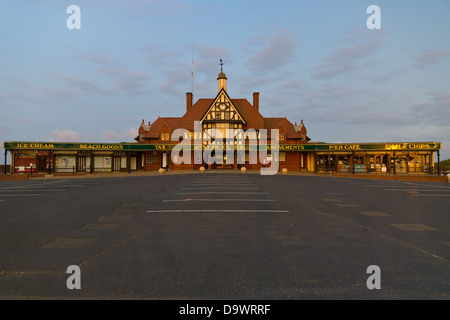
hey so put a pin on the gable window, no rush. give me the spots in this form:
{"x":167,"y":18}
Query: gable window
{"x":165,"y":136}
{"x":281,"y":136}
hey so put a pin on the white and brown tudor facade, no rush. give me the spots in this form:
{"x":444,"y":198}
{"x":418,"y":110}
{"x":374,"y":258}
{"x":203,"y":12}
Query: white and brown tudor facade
{"x":221,"y":113}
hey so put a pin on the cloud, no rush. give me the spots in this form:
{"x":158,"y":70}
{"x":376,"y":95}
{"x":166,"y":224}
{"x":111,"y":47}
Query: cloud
{"x":328,"y":100}
{"x":105,"y":135}
{"x":428,"y":58}
{"x":80,"y":85}
{"x":175,"y":80}
{"x":66,"y":135}
{"x":124,"y":82}
{"x":130,"y":82}
{"x":279,"y":51}
{"x":125,"y":135}
{"x":92,"y":57}
{"x":436,"y":111}
{"x":159,"y":56}
{"x":174,"y":67}
{"x":346,"y":58}
{"x":206,"y":60}
{"x":209,"y":52}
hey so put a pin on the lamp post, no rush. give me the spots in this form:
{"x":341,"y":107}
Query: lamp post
{"x":438,"y":163}
{"x":6,"y":154}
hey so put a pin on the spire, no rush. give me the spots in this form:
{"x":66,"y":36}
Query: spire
{"x":222,"y":78}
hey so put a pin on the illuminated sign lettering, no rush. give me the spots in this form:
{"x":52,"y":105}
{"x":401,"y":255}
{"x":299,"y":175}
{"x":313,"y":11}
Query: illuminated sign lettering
{"x":345,"y":147}
{"x":101,"y":146}
{"x":408,"y":146}
{"x":35,"y":146}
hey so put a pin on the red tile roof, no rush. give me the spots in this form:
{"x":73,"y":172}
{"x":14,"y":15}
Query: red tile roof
{"x":196,"y":113}
{"x":253,"y":118}
{"x":272,"y":123}
{"x":172,"y":122}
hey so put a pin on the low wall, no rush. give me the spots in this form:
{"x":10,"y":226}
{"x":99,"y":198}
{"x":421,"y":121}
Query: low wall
{"x":402,"y":177}
{"x":13,"y":177}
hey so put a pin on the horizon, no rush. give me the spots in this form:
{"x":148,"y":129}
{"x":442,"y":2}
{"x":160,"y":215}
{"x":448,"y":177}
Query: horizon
{"x":132,"y":60}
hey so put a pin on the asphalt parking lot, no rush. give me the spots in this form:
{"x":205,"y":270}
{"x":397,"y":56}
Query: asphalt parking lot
{"x":224,"y":236}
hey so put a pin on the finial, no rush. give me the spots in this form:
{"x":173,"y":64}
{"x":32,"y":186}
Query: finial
{"x":221,"y":65}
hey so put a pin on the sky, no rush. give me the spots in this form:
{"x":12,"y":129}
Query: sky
{"x":313,"y":60}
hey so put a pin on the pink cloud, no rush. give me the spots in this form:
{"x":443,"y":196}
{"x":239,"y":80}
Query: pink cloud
{"x":125,"y":135}
{"x":66,"y":135}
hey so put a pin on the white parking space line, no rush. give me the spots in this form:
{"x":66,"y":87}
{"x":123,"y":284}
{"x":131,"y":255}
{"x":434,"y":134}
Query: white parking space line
{"x":221,"y":180}
{"x":40,"y":190}
{"x":421,"y":190}
{"x":430,"y":195}
{"x":375,"y":214}
{"x":222,"y":183}
{"x":413,"y":227}
{"x":21,"y":195}
{"x":34,"y":188}
{"x":219,"y":185}
{"x":219,"y":200}
{"x":348,"y":205}
{"x":214,"y":210}
{"x":408,"y":186}
{"x":221,"y":192}
{"x":219,"y":188}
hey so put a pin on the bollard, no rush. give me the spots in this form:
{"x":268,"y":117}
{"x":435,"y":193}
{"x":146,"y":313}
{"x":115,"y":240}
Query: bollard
{"x":202,"y":169}
{"x":284,"y":170}
{"x":243,"y":169}
{"x":161,"y":170}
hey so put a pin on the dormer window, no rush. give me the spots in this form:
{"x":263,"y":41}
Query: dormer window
{"x":165,"y":136}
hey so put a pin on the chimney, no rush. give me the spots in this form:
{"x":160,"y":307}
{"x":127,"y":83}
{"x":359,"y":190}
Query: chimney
{"x":256,"y":100}
{"x":188,"y":101}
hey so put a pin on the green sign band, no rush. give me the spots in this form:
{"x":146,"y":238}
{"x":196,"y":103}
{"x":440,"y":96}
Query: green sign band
{"x":332,"y":147}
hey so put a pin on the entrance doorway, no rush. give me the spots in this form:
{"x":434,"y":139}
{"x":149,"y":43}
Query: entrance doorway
{"x":81,"y":164}
{"x":40,"y":164}
{"x":226,"y":163}
{"x":116,"y":163}
{"x":164,"y":160}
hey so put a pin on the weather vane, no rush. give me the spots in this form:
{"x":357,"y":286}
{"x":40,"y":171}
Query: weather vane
{"x":221,"y":65}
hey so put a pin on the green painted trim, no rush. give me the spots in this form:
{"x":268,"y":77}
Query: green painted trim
{"x":331,"y":147}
